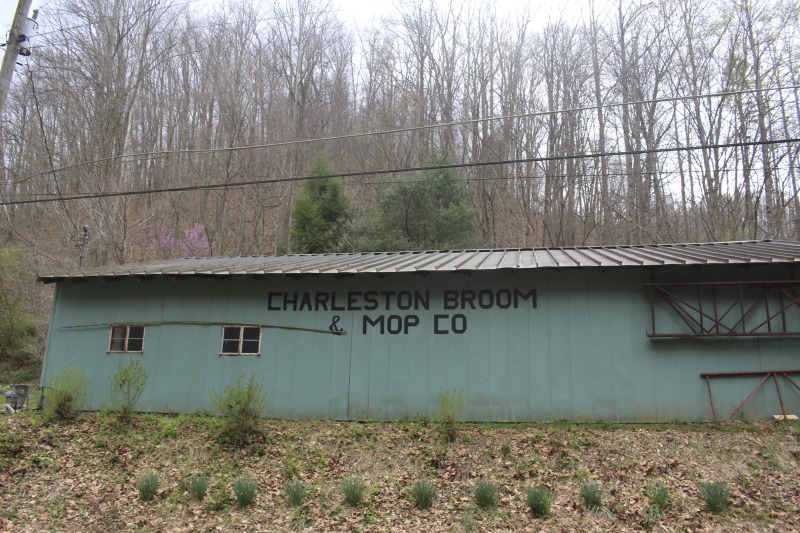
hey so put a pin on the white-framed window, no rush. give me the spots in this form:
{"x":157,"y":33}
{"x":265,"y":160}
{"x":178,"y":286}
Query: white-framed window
{"x":241,"y":340}
{"x":126,"y":338}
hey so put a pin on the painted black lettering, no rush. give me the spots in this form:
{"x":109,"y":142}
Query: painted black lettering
{"x":468,"y":297}
{"x":437,"y":330}
{"x":370,"y":300}
{"x":290,"y":302}
{"x":422,"y":298}
{"x":352,"y":301}
{"x":503,"y":304}
{"x":459,"y":324}
{"x":388,"y":295}
{"x":369,"y":322}
{"x":321,"y":301}
{"x":530,"y":295}
{"x":335,"y":307}
{"x":404,"y":300}
{"x":394,"y":324}
{"x":450,"y":300}
{"x":305,"y":302}
{"x":486,"y":299}
{"x":410,"y":322}
{"x":270,"y":306}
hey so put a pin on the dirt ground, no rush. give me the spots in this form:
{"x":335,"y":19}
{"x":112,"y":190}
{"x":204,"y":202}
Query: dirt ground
{"x":82,"y":476}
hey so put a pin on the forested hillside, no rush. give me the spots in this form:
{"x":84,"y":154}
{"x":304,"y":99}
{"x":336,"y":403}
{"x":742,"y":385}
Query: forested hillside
{"x":621,"y":122}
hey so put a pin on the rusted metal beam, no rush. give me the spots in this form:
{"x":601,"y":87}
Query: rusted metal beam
{"x":745,"y":373}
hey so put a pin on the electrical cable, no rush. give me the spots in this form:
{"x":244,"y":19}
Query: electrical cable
{"x":214,"y":186}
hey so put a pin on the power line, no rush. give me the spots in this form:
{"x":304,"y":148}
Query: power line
{"x":167,"y":153}
{"x":214,"y":186}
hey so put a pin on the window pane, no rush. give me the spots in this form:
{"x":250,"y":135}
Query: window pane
{"x":249,"y":346}
{"x":135,"y":332}
{"x":116,"y":345}
{"x":118,"y":332}
{"x":251,"y":334}
{"x":230,"y":346}
{"x":231,"y":333}
{"x":135,"y":345}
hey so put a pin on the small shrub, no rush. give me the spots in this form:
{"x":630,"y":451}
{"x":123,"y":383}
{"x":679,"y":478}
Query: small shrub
{"x":592,"y":495}
{"x":353,"y":490}
{"x":66,"y":394}
{"x":485,"y":494}
{"x":423,"y":493}
{"x":147,"y":486}
{"x":295,"y":492}
{"x":198,"y":485}
{"x":451,"y":405}
{"x":244,"y":489}
{"x":715,"y":494}
{"x":127,"y":386}
{"x":539,"y":500}
{"x":659,"y":497}
{"x":242,"y":404}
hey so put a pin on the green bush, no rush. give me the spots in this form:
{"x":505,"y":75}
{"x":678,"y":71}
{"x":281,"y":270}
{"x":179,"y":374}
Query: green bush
{"x":423,"y":493}
{"x":539,"y":500}
{"x":485,"y":494}
{"x":242,"y":404}
{"x":19,"y":331}
{"x":592,"y":495}
{"x":197,"y":486}
{"x":148,"y":486}
{"x":245,"y":491}
{"x":353,"y":489}
{"x":66,"y":394}
{"x":715,"y":494}
{"x":295,"y":492}
{"x":127,"y":386}
{"x":451,"y":406}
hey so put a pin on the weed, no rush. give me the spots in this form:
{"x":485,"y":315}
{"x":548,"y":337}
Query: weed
{"x":423,"y":493}
{"x":295,"y":492}
{"x":715,"y":494}
{"x":127,"y":386}
{"x":241,"y":403}
{"x":659,"y":497}
{"x":353,"y":490}
{"x":290,"y":467}
{"x":592,"y":495}
{"x":539,"y":500}
{"x":451,"y":405}
{"x":66,"y":394}
{"x":197,"y":486}
{"x":468,"y":522}
{"x":485,"y":494}
{"x":244,"y":489}
{"x":505,"y":450}
{"x":581,"y":475}
{"x":147,"y":486}
{"x":219,"y":498}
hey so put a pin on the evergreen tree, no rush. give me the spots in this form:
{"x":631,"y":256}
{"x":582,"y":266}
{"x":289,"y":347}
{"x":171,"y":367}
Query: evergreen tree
{"x":427,"y":210}
{"x":321,"y":212}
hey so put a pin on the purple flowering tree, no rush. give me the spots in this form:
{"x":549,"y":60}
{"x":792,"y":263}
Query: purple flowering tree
{"x":193,"y":243}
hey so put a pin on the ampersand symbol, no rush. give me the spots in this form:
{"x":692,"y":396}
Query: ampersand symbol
{"x":333,"y":327}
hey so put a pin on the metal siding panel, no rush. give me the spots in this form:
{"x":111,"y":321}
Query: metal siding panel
{"x":560,"y":354}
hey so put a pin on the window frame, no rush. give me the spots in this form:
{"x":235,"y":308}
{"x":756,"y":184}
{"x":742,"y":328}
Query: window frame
{"x":127,"y":338}
{"x":241,"y":340}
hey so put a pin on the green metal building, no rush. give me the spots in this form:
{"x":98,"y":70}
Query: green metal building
{"x":624,"y":333}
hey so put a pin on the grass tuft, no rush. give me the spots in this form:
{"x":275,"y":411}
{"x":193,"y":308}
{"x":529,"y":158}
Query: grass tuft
{"x":423,"y":493}
{"x":353,"y":489}
{"x":485,"y":494}
{"x":296,"y":492}
{"x":147,"y":486}
{"x":244,"y":489}
{"x":659,"y":497}
{"x":592,"y":495}
{"x":197,"y":486}
{"x":715,"y":494}
{"x":539,"y":500}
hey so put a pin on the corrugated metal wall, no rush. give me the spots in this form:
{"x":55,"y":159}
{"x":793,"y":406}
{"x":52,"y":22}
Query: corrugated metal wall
{"x":580,"y":354}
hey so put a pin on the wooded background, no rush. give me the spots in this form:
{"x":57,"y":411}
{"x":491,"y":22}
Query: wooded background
{"x":700,"y":96}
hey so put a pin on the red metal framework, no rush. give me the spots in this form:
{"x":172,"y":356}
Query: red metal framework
{"x":729,"y":309}
{"x":766,"y":373}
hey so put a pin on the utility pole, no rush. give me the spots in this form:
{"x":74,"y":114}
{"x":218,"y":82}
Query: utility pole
{"x":12,"y":48}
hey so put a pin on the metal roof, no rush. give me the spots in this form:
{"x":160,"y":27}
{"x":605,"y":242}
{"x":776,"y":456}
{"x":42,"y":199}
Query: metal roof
{"x":648,"y":255}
